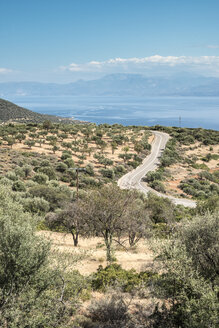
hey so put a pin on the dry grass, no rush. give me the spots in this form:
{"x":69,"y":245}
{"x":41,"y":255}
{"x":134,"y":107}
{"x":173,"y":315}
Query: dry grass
{"x":136,"y":258}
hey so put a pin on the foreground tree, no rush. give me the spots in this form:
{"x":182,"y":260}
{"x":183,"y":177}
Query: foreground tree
{"x":107,"y":212}
{"x":161,"y":210}
{"x":32,"y":291}
{"x":71,"y":219}
{"x":23,"y":262}
{"x":190,"y":261}
{"x":137,"y":221}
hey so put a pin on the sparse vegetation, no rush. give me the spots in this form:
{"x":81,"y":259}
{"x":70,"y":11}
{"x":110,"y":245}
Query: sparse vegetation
{"x":65,"y":184}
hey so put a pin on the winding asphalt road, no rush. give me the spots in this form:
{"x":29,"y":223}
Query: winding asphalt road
{"x":132,"y":180}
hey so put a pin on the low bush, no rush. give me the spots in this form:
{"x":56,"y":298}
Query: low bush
{"x":40,"y":178}
{"x":35,"y":205}
{"x":69,"y":162}
{"x":11,"y":176}
{"x":61,"y":167}
{"x":90,"y":169}
{"x":200,"y":188}
{"x":5,"y":181}
{"x":49,"y":171}
{"x":153,"y":175}
{"x":89,"y":181}
{"x":114,"y":275}
{"x":18,"y":186}
{"x":201,"y":166}
{"x":133,"y":164}
{"x":157,"y":185}
{"x":107,"y":173}
{"x":53,"y":195}
{"x":119,"y":169}
{"x":109,"y":311}
{"x":45,"y":162}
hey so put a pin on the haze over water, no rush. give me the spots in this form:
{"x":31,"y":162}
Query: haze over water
{"x":194,"y":111}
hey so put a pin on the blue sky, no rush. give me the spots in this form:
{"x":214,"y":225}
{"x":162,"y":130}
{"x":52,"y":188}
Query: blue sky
{"x":64,"y":40}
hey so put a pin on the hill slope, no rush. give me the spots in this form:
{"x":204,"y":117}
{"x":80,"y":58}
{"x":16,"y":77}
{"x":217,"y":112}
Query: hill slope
{"x":10,"y":112}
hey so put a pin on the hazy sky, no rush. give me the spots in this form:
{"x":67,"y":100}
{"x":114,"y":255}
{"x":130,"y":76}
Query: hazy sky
{"x":63,"y":40}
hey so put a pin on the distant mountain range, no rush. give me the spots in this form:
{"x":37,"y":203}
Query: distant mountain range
{"x":184,"y":84}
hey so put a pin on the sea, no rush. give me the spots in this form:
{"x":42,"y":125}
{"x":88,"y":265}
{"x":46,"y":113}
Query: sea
{"x":191,"y":112}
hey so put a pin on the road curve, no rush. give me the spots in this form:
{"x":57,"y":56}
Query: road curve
{"x":132,"y":180}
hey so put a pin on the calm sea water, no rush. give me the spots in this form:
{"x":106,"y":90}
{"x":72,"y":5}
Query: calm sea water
{"x":194,"y":111}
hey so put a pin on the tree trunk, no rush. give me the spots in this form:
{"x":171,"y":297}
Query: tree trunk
{"x":132,"y":239}
{"x":108,"y":242}
{"x":75,"y":236}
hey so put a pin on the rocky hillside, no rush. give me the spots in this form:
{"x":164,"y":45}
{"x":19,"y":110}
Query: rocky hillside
{"x":10,"y":112}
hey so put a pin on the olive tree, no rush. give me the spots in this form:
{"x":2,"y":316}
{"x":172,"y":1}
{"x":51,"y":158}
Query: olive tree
{"x":137,"y":220}
{"x":71,"y":219}
{"x":23,"y":258}
{"x":104,"y":210}
{"x":33,"y":293}
{"x":200,"y":237}
{"x":189,"y":262}
{"x":108,"y":211}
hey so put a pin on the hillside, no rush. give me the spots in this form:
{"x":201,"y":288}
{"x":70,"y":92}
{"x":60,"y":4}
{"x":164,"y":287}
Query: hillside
{"x":10,"y":112}
{"x":97,"y":237}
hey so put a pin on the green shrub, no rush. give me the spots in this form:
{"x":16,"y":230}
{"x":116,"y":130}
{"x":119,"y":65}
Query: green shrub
{"x":19,"y":172}
{"x":19,"y":186}
{"x":158,"y":186}
{"x":89,"y":181}
{"x":77,"y":286}
{"x":54,"y":196}
{"x":61,"y":167}
{"x":69,"y":162}
{"x":107,"y":173}
{"x":137,"y":159}
{"x":152,"y":176}
{"x":66,"y":154}
{"x":89,"y":169}
{"x":27,"y":170}
{"x":133,"y":164}
{"x":65,"y":178}
{"x":40,"y":178}
{"x":53,"y":183}
{"x":200,"y":188}
{"x":72,"y":183}
{"x":170,"y":154}
{"x":45,"y":162}
{"x":119,"y":169}
{"x":30,"y":183}
{"x":11,"y":176}
{"x":190,"y":279}
{"x":5,"y":181}
{"x":35,"y":205}
{"x":200,"y":166}
{"x":113,"y":275}
{"x":49,"y":171}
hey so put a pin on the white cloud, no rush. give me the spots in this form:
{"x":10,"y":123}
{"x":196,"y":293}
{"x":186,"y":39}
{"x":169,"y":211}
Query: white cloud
{"x":5,"y":70}
{"x":135,"y":64}
{"x":213,"y":46}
